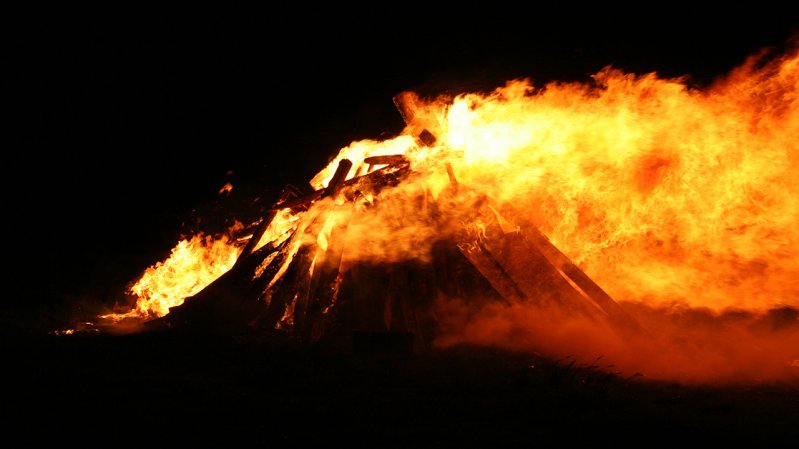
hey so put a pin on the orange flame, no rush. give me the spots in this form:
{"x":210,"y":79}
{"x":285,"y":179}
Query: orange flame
{"x":191,"y":266}
{"x":663,"y":193}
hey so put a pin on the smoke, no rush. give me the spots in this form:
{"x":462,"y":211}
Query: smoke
{"x":690,"y":346}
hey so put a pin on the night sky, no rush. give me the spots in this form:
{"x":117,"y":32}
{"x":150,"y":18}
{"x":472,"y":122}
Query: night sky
{"x":128,"y":123}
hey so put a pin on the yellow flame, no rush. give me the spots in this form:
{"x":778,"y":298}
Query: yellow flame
{"x":191,"y":266}
{"x":663,"y":193}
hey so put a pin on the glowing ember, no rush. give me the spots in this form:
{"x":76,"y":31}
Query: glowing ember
{"x":227,"y":188}
{"x":662,"y":193}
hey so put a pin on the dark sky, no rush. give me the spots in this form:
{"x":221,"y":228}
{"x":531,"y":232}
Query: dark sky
{"x":126,"y":122}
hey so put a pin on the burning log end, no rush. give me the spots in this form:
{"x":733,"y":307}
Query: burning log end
{"x":339,"y":176}
{"x":427,"y":138}
{"x":406,"y":105}
{"x":452,"y":179}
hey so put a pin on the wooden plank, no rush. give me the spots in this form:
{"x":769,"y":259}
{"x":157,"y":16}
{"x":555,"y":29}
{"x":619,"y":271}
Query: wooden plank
{"x":569,"y":270}
{"x":536,"y":277}
{"x":492,"y":270}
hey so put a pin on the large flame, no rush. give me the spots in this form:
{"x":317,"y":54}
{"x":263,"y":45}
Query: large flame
{"x":663,"y":193}
{"x":191,"y":266}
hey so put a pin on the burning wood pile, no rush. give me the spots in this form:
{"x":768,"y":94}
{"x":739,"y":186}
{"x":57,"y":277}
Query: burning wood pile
{"x":309,"y":278}
{"x":313,"y":289}
{"x":679,"y":202}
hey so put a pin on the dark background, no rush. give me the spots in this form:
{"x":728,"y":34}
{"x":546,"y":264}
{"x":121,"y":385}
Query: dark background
{"x":127,"y":123}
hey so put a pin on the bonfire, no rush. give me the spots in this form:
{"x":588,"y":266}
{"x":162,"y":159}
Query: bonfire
{"x":570,"y":217}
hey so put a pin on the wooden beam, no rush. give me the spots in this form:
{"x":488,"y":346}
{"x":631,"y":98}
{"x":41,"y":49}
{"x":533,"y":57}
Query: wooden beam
{"x":288,"y":193}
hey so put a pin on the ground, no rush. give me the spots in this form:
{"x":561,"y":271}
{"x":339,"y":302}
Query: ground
{"x":250,"y":390}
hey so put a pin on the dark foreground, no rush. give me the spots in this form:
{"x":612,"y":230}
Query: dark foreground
{"x":164,"y":389}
